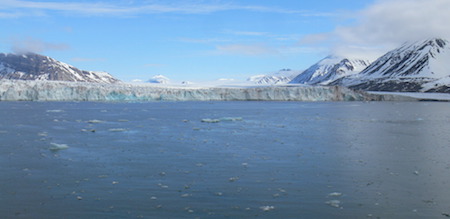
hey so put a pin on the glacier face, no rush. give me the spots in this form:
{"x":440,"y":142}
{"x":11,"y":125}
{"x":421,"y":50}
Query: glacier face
{"x":19,"y":90}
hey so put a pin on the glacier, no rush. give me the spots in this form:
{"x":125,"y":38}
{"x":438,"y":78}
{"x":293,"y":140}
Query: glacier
{"x":21,"y":90}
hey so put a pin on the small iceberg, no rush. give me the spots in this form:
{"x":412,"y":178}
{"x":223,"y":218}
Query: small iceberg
{"x":334,"y":203}
{"x":57,"y":147}
{"x":210,"y":120}
{"x":55,"y":111}
{"x":223,"y":119}
{"x":117,"y":130}
{"x":95,"y":121}
{"x":335,"y":194}
{"x":267,"y":208}
{"x":230,"y":119}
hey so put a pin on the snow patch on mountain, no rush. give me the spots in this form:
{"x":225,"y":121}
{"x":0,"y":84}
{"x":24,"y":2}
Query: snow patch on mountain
{"x":330,"y":69}
{"x":281,"y":77}
{"x":159,"y":79}
{"x":33,"y":66}
{"x":423,"y":66}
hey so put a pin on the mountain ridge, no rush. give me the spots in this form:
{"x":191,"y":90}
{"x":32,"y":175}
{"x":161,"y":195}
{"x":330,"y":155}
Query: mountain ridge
{"x":32,"y":66}
{"x":421,"y":66}
{"x":330,"y":69}
{"x":283,"y":76}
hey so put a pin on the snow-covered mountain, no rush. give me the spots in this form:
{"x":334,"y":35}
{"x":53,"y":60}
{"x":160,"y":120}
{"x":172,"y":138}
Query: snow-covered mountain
{"x":423,"y":66}
{"x":33,"y":66}
{"x":281,"y":77}
{"x":330,"y":69}
{"x":159,"y":79}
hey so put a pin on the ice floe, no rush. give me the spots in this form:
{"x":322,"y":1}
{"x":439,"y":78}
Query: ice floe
{"x":334,"y":203}
{"x":267,"y":208}
{"x":57,"y":147}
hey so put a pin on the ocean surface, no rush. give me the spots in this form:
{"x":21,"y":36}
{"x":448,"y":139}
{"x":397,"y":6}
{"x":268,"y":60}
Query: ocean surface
{"x":225,"y":160}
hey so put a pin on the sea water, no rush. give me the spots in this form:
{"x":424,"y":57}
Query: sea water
{"x":225,"y":160}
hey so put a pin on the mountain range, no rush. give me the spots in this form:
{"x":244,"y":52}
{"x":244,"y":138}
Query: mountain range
{"x":422,"y":66}
{"x":281,"y":77}
{"x":31,"y":66}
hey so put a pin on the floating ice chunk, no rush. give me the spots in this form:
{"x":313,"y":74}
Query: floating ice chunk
{"x":95,"y":121}
{"x":333,"y":203}
{"x":43,"y":134}
{"x":335,"y":194}
{"x":233,"y":179}
{"x":163,"y":186}
{"x":223,"y":119}
{"x":57,"y":147}
{"x":117,"y":130}
{"x":88,"y":130}
{"x":230,"y":119}
{"x":267,"y":208}
{"x":210,"y":120}
{"x":55,"y":111}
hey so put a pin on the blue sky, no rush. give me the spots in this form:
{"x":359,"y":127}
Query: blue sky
{"x":205,"y":40}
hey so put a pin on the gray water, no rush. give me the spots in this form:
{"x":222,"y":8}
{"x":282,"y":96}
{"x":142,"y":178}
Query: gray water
{"x":272,"y":160}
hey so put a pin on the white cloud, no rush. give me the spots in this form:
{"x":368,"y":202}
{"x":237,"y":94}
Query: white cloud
{"x":203,"y":40}
{"x":80,"y":59}
{"x":384,"y":25}
{"x":266,"y":50}
{"x":315,"y":38}
{"x":244,"y":49}
{"x":246,"y":33}
{"x":17,"y":7}
{"x":25,"y":45}
{"x":397,"y":21}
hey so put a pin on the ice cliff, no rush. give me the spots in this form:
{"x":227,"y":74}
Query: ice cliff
{"x":18,"y":90}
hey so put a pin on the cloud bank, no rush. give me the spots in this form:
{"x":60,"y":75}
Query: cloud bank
{"x":387,"y":24}
{"x":245,"y":49}
{"x":26,"y":45}
{"x":397,"y":21}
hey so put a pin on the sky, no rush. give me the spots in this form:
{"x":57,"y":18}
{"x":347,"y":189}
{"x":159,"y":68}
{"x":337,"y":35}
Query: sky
{"x":208,"y":40}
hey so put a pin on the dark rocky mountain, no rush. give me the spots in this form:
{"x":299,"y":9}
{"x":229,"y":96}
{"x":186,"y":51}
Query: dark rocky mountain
{"x":33,"y":66}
